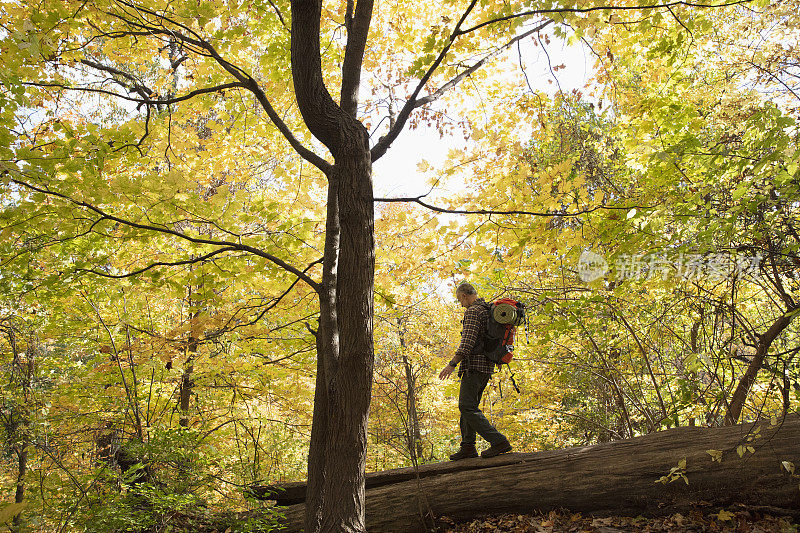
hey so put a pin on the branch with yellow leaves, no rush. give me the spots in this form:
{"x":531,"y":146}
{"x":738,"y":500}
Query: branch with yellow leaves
{"x":227,"y":246}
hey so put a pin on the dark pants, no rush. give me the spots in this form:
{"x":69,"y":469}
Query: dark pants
{"x":472,"y":420}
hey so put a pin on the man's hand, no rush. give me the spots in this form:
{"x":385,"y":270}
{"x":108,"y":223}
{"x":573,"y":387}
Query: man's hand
{"x":446,"y":371}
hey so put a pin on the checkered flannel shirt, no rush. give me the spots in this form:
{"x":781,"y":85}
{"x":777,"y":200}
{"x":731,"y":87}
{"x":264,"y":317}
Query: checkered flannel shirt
{"x":474,"y":324}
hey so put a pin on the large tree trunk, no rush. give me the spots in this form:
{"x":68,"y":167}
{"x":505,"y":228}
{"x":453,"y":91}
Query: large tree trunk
{"x":327,"y":354}
{"x":337,"y":454}
{"x":348,"y":380}
{"x":617,"y":477}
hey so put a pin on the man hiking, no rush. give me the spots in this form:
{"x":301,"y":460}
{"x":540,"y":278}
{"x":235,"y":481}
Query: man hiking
{"x":475,"y":371}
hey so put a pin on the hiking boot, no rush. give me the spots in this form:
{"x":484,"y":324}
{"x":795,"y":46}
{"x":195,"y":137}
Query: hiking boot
{"x":466,"y":452}
{"x":496,"y":449}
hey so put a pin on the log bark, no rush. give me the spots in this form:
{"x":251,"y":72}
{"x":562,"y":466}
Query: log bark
{"x":618,"y":477}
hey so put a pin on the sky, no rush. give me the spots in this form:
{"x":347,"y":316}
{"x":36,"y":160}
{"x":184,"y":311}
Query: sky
{"x":396,"y":174}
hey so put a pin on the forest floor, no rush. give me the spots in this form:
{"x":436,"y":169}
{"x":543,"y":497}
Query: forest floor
{"x":733,"y":520}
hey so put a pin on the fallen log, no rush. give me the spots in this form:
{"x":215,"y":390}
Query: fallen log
{"x":696,"y":466}
{"x":295,"y":492}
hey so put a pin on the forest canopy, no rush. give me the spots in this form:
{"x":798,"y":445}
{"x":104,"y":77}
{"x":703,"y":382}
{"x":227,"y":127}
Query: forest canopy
{"x":200,"y":292}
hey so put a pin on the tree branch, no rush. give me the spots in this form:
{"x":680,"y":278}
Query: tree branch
{"x":280,"y":16}
{"x":264,"y":311}
{"x":233,"y":246}
{"x":138,"y":87}
{"x":304,"y":152}
{"x":189,"y":36}
{"x":144,"y":101}
{"x":357,"y":32}
{"x":159,"y":263}
{"x":452,"y":83}
{"x":325,"y":119}
{"x":384,"y":142}
{"x":413,"y":102}
{"x":556,"y":11}
{"x":418,"y":200}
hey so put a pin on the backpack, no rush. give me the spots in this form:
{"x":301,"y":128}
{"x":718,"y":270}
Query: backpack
{"x":505,"y":315}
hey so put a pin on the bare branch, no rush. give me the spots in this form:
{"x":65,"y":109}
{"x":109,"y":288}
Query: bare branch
{"x":138,"y":87}
{"x":144,"y":101}
{"x":556,"y":11}
{"x":550,"y":64}
{"x":418,"y":200}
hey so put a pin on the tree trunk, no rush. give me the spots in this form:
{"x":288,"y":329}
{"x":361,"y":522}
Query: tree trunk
{"x":187,"y":378}
{"x":413,"y":434}
{"x":337,"y":454}
{"x":618,"y":477}
{"x":327,"y":340}
{"x":764,"y":343}
{"x":18,"y":421}
{"x":19,"y":495}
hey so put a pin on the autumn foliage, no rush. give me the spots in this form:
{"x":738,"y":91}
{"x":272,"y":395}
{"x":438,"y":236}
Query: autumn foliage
{"x":189,"y":264}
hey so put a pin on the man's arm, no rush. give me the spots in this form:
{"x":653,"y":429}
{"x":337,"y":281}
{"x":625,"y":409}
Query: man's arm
{"x":447,"y":370}
{"x":470,"y":332}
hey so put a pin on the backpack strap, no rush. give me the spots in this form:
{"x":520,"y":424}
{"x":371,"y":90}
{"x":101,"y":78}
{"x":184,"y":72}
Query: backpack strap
{"x":513,"y":382}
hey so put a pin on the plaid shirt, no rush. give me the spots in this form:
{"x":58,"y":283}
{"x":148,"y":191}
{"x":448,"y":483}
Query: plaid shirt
{"x":474,"y":326}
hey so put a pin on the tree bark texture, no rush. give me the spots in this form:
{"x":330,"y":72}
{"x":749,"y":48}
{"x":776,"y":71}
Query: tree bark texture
{"x":337,"y":454}
{"x":327,"y":355}
{"x":337,"y":457}
{"x":618,"y":477}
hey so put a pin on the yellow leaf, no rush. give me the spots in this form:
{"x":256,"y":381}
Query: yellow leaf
{"x":724,"y":516}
